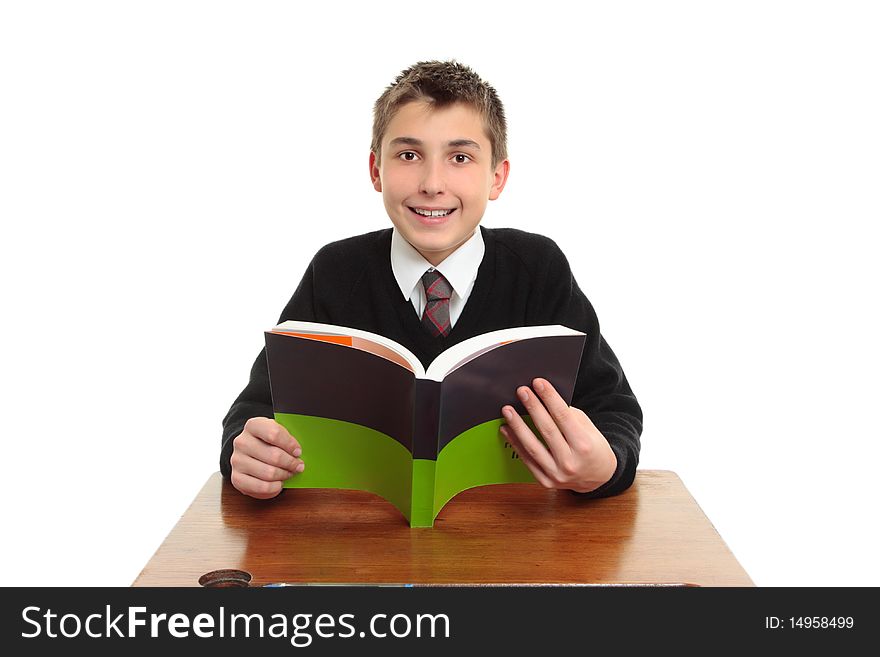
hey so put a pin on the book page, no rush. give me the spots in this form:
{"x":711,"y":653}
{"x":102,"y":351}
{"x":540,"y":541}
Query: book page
{"x":364,"y":340}
{"x":464,"y":352}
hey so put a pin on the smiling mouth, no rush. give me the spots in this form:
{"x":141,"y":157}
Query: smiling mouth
{"x":432,"y":214}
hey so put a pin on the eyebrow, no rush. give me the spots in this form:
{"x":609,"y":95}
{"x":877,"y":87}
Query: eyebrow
{"x":455,"y":143}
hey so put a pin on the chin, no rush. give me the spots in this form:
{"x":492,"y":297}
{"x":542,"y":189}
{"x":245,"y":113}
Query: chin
{"x":425,"y":246}
{"x":430,"y":234}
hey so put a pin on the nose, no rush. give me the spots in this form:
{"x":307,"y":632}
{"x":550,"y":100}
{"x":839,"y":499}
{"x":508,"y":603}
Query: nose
{"x":432,"y":182}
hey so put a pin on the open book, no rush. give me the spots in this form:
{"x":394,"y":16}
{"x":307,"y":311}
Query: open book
{"x":369,"y":417}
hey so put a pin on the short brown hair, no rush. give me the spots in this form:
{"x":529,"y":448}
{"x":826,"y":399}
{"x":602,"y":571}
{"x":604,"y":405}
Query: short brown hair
{"x":442,"y":84}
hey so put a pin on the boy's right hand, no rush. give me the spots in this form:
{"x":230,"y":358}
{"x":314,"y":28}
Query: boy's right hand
{"x":264,"y":454}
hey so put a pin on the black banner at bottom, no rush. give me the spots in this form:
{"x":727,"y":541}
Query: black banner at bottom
{"x":398,"y":620}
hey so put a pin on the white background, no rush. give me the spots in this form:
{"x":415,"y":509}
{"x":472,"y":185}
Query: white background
{"x":168,"y":169}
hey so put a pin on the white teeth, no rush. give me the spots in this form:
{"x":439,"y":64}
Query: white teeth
{"x":432,"y":213}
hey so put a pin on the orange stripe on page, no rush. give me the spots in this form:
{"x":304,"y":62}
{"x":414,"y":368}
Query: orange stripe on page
{"x":335,"y":339}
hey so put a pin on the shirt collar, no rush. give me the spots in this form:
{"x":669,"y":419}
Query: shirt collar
{"x":459,"y":268}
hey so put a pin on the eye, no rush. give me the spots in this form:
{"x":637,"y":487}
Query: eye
{"x":408,"y":156}
{"x":461,"y":158}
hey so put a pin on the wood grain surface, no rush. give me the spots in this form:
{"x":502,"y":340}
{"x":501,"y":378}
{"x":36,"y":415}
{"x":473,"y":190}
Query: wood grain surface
{"x":654,"y":533}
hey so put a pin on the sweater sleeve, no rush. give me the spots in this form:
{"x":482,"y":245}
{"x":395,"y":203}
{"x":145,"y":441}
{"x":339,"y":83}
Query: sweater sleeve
{"x":256,"y":398}
{"x":602,"y":390}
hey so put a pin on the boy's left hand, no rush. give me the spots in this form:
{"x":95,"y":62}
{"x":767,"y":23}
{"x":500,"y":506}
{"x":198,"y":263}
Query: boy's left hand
{"x":576,"y":456}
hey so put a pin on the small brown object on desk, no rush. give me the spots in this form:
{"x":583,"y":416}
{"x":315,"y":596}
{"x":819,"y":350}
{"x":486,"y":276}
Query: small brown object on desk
{"x":654,"y":533}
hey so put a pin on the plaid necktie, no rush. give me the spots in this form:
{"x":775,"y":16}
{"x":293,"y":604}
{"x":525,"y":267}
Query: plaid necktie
{"x":435,"y":319}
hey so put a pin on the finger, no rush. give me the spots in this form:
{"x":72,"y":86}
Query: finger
{"x":271,"y":432}
{"x":249,"y":445}
{"x":539,"y":475}
{"x":261,"y":470}
{"x":559,"y":410}
{"x":262,"y":490}
{"x":544,"y":423}
{"x":528,"y":442}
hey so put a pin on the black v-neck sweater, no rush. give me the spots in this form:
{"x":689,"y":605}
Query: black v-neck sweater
{"x":523,"y":280}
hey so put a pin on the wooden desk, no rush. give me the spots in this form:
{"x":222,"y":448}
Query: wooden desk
{"x":512,"y":533}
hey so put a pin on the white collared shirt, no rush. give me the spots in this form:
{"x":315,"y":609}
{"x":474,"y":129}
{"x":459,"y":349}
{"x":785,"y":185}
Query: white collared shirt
{"x":459,"y":268}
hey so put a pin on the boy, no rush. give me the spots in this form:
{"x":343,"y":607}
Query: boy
{"x":438,"y":155}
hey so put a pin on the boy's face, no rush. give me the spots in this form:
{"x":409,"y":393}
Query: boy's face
{"x":436,"y":176}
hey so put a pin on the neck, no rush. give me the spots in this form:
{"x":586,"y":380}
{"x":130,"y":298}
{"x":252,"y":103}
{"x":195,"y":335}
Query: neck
{"x":436,"y":257}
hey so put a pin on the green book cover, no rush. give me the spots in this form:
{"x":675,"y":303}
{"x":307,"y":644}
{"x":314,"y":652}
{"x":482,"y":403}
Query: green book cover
{"x":369,"y":417}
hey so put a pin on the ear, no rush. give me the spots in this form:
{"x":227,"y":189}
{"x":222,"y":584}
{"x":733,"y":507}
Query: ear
{"x":374,"y":172}
{"x":499,"y":179}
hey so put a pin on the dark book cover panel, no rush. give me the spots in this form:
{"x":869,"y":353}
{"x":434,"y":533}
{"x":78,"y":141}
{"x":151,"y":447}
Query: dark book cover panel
{"x":322,"y":379}
{"x":476,"y":391}
{"x":427,"y":419}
